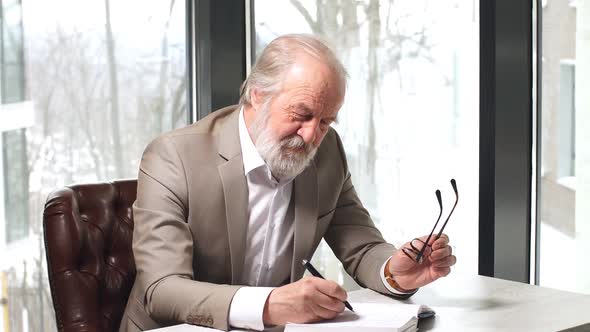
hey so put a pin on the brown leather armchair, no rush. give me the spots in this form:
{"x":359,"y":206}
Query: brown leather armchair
{"x":88,"y":230}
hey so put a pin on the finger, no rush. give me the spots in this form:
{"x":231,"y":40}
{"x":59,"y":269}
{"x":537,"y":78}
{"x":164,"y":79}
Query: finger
{"x":423,"y":238}
{"x":418,"y":245}
{"x":444,"y":236}
{"x":440,"y":242}
{"x":441,"y":253}
{"x":323,"y":313}
{"x":445,"y":262}
{"x":331,"y":289}
{"x":330,"y":303}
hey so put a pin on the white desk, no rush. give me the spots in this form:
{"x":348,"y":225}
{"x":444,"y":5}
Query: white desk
{"x":487,"y":304}
{"x":479,"y":303}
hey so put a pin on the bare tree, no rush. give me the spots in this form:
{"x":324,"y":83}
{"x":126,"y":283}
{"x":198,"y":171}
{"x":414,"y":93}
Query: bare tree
{"x":337,"y":22}
{"x":342,"y":36}
{"x":373,"y":84}
{"x":114,"y":92}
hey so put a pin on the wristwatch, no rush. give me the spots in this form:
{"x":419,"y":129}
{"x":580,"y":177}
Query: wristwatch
{"x":391,"y":281}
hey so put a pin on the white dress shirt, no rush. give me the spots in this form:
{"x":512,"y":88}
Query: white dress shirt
{"x":269,"y":239}
{"x":269,"y":244}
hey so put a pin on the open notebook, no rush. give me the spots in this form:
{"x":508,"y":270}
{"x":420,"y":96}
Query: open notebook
{"x":371,"y":317}
{"x":367,"y":317}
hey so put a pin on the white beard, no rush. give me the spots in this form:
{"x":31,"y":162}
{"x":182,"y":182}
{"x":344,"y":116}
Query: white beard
{"x":286,"y":157}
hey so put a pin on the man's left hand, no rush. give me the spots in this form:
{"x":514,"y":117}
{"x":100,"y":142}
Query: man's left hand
{"x":436,"y":262}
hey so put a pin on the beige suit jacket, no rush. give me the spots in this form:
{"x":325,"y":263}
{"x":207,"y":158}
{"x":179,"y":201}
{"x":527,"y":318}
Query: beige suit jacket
{"x":191,"y":218}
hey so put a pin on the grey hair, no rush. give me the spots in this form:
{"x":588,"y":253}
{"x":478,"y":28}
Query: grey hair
{"x":278,"y":56}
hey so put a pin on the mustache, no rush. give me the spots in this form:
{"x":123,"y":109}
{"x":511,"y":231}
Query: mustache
{"x":296,"y":142}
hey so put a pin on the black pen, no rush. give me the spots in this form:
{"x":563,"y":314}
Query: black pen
{"x":315,"y":273}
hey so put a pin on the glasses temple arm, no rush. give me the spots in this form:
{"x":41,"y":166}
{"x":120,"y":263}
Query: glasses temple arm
{"x":439,"y":198}
{"x":452,"y":210}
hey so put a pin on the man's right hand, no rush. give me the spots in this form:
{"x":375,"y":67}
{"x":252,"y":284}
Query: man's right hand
{"x":308,"y":300}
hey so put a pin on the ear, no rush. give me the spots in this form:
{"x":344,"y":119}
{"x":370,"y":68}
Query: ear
{"x":256,"y":98}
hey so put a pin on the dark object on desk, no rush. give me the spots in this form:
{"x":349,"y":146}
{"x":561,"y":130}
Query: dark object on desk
{"x":88,"y":230}
{"x":426,"y":321}
{"x":315,"y":273}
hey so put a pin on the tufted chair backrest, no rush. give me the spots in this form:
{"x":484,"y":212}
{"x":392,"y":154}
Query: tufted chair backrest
{"x":88,"y":230}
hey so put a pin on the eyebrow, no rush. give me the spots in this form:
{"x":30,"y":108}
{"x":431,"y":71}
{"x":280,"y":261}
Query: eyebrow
{"x":305,"y":108}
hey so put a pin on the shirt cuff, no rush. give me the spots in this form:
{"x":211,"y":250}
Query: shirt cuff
{"x":386,"y":284}
{"x":247,"y":307}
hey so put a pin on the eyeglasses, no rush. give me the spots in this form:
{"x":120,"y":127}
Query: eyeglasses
{"x":416,"y":253}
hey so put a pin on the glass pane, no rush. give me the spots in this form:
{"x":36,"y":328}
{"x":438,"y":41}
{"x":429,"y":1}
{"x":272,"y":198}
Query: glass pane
{"x":13,"y":75}
{"x":15,"y":184}
{"x":11,"y":57}
{"x":101,"y":78}
{"x":565,"y":169}
{"x":12,"y":36}
{"x":410,"y":119}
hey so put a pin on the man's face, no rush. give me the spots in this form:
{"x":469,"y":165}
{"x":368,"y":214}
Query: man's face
{"x":289,"y":127}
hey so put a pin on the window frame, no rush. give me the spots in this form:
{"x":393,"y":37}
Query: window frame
{"x":506,"y":139}
{"x":217,"y":39}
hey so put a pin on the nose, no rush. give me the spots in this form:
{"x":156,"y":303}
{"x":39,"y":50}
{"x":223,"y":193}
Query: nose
{"x":308,"y":132}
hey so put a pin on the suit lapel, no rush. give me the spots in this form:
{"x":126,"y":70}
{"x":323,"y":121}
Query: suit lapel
{"x":235,"y":191}
{"x":305,"y":189}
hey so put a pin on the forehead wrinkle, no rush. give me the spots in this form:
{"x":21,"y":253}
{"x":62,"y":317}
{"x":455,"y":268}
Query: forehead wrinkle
{"x":317,"y":95}
{"x":307,"y":94}
{"x":313,"y":92}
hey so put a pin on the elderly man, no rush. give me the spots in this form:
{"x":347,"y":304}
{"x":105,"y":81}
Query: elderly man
{"x":228,"y":207}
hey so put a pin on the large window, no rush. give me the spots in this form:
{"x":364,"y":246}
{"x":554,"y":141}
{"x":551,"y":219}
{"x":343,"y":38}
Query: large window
{"x":565,"y":165}
{"x":85,"y":86}
{"x":410,"y":119}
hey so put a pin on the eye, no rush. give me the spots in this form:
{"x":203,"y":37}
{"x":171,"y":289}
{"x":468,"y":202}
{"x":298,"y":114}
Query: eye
{"x":301,"y":116}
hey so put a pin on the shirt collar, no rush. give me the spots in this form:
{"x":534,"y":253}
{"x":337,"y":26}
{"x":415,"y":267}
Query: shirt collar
{"x":250,"y":155}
